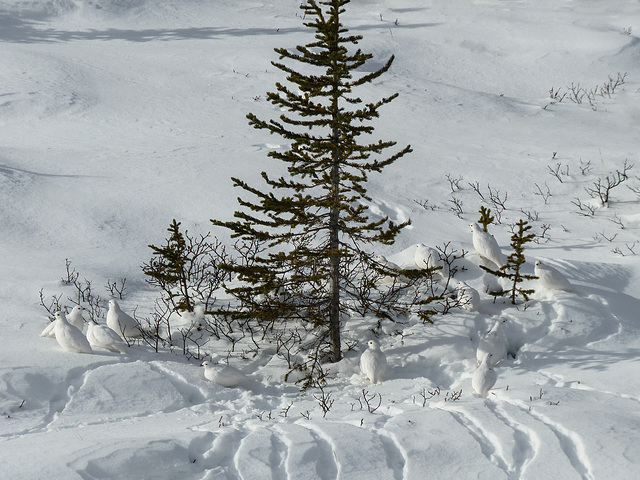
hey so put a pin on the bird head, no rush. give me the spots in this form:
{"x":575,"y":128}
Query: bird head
{"x":373,"y":345}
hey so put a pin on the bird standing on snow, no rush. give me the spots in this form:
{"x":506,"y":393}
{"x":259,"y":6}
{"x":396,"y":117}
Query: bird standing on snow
{"x":388,"y":265}
{"x":493,"y":342}
{"x":123,"y":324}
{"x":101,"y":336}
{"x":49,"y":331}
{"x":373,"y":362}
{"x":468,"y":297}
{"x":69,"y":337}
{"x":427,"y":257}
{"x":224,"y":375}
{"x":550,"y":278}
{"x":75,"y":318}
{"x":484,"y":378}
{"x":195,"y":320}
{"x":486,"y":245}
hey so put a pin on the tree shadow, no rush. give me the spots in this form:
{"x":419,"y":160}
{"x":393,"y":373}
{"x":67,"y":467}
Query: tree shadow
{"x":18,"y":30}
{"x":13,"y":30}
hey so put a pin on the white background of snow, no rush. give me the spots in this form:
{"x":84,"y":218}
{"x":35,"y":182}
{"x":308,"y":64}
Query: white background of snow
{"x":116,"y":117}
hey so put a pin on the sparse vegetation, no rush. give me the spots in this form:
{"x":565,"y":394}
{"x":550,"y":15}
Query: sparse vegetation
{"x":512,"y":270}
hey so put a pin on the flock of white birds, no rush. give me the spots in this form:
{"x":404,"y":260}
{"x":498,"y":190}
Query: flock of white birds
{"x":69,"y":330}
{"x":493,"y":345}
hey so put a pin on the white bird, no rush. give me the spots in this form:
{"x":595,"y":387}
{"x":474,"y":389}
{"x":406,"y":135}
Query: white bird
{"x":123,"y":324}
{"x":69,"y":337}
{"x":224,"y":375}
{"x":49,"y":331}
{"x":486,"y":245}
{"x":427,"y":257}
{"x":382,"y":260}
{"x":493,"y":342}
{"x":468,"y":297}
{"x":485,"y":377}
{"x":493,"y":284}
{"x":550,"y":278}
{"x":195,"y":319}
{"x":75,"y":318}
{"x":101,"y":336}
{"x":388,"y":265}
{"x":373,"y":362}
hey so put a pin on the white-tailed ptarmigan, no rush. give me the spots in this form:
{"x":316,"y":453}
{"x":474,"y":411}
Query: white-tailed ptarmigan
{"x":550,"y":278}
{"x":75,"y":318}
{"x":190,"y":320}
{"x":388,"y":265}
{"x":224,"y":375}
{"x":49,"y":330}
{"x":468,"y":297}
{"x":486,"y":245}
{"x":484,"y":378}
{"x":123,"y":324}
{"x":373,"y":362}
{"x":101,"y":336}
{"x":493,"y":342}
{"x":69,"y":337}
{"x":427,"y":257}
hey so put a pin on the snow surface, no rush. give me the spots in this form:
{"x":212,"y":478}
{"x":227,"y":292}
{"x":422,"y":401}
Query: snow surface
{"x":117,"y":116}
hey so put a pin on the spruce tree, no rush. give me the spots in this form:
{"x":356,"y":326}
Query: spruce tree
{"x":167,"y":268}
{"x":485,"y":217}
{"x":515,"y":260}
{"x":313,"y":222}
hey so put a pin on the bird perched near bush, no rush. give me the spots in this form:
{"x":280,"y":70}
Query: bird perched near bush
{"x":485,"y":377}
{"x":49,"y":330}
{"x":493,"y":342}
{"x":123,"y":324}
{"x":427,"y":257}
{"x":550,"y":278}
{"x":75,"y":318}
{"x":486,"y":245}
{"x":468,"y":297}
{"x":224,"y":375}
{"x":373,"y":362}
{"x":69,"y":337}
{"x":101,"y":336}
{"x":388,"y":265}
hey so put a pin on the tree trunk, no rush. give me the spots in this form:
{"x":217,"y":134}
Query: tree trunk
{"x":334,"y":259}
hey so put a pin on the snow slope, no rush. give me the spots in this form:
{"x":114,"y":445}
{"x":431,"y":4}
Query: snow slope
{"x":118,"y":116}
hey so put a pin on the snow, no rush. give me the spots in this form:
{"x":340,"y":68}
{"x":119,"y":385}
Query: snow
{"x":116,"y":117}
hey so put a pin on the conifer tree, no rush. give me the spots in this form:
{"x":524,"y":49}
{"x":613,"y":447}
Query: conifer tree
{"x":167,"y":268}
{"x":485,"y":217}
{"x":511,"y":269}
{"x":313,"y":222}
{"x":186,"y":269}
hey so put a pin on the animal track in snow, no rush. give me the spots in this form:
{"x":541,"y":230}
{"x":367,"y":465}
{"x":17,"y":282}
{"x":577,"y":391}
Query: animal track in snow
{"x":191,"y":394}
{"x":525,"y":440}
{"x":260,"y":451}
{"x":489,"y":443}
